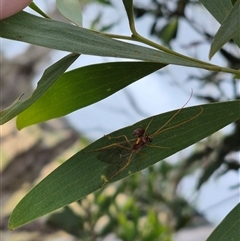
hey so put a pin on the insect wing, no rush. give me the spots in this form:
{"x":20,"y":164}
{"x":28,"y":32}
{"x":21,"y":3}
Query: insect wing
{"x":117,"y":158}
{"x":113,"y":154}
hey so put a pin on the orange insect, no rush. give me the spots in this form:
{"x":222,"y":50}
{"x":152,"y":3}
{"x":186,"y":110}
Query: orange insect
{"x":119,"y":155}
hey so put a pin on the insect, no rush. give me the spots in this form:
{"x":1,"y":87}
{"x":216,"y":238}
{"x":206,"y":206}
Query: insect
{"x":120,"y":154}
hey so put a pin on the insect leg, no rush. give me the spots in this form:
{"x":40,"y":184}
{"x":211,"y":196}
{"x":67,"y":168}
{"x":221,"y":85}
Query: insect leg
{"x":108,"y":179}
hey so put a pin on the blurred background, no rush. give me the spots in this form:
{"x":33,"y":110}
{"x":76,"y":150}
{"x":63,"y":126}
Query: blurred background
{"x":187,"y":194}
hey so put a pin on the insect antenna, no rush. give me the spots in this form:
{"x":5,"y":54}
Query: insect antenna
{"x":161,"y":129}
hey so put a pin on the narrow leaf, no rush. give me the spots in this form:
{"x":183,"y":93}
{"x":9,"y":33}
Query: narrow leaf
{"x":229,"y":228}
{"x":230,"y":27}
{"x":169,"y":31}
{"x":83,"y":173}
{"x":50,"y":75}
{"x":84,"y":86}
{"x":128,"y":4}
{"x":220,"y":10}
{"x":34,"y":7}
{"x":71,"y":10}
{"x":35,"y":30}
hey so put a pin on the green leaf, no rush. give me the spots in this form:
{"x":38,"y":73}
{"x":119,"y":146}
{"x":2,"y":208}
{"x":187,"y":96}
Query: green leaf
{"x":230,"y":27}
{"x":84,"y":86}
{"x":229,"y":228}
{"x":82,"y":173}
{"x":71,"y":10}
{"x":34,"y":7}
{"x":220,"y":10}
{"x":128,"y":4}
{"x":35,"y":30}
{"x":50,"y":75}
{"x":169,"y":31}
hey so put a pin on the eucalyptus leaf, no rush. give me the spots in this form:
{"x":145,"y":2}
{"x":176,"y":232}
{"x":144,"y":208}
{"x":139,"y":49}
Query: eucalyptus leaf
{"x":39,"y":31}
{"x":229,"y":228}
{"x":34,"y":7}
{"x":83,"y":173}
{"x":84,"y":86}
{"x":71,"y":10}
{"x":169,"y":31}
{"x":50,"y":75}
{"x":128,"y":4}
{"x":230,"y":28}
{"x":220,"y":10}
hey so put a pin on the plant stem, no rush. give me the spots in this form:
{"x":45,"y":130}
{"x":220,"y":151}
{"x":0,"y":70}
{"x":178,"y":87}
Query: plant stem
{"x":202,"y":64}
